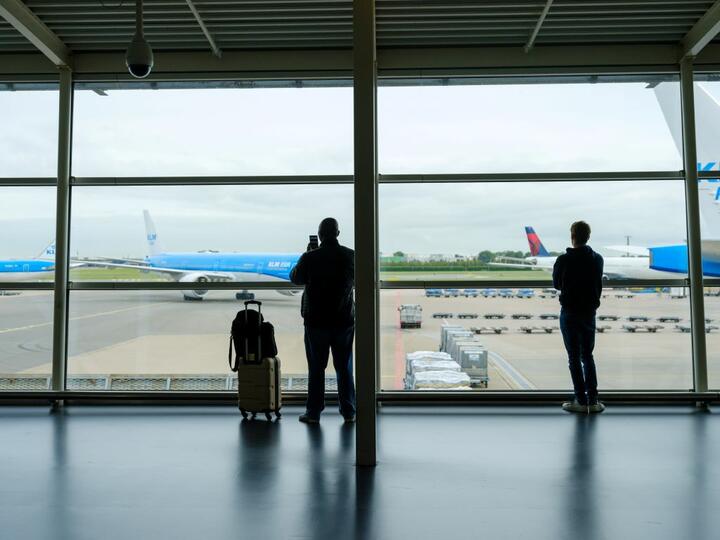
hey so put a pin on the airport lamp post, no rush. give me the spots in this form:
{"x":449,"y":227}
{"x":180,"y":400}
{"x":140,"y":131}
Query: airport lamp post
{"x":366,"y":227}
{"x":695,"y":271}
{"x":62,"y":228}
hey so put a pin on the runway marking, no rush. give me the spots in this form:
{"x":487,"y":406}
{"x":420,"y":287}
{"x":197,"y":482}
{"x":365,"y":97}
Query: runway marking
{"x":506,"y":369}
{"x":80,"y":318}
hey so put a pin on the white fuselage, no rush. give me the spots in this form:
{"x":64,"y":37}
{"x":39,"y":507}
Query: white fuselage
{"x":616,"y":267}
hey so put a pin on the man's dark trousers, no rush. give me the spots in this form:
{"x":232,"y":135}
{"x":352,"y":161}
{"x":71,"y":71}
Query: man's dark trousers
{"x":578,"y":332}
{"x":319,"y":341}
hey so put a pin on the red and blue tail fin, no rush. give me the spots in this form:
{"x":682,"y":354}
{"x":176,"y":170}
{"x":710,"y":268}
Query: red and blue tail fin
{"x":536,"y":246}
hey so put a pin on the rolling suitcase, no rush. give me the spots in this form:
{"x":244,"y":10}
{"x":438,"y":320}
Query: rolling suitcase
{"x":258,"y":375}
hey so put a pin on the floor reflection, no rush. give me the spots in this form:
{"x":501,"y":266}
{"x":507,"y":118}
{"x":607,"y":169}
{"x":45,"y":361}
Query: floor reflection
{"x":581,"y":482}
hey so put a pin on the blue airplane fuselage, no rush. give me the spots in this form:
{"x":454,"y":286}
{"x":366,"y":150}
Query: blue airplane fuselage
{"x":273,"y":265}
{"x":26,"y":265}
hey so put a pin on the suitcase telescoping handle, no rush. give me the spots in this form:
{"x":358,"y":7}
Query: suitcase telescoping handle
{"x":258,"y":358}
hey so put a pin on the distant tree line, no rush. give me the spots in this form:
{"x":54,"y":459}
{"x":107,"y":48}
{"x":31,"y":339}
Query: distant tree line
{"x":480,"y":263}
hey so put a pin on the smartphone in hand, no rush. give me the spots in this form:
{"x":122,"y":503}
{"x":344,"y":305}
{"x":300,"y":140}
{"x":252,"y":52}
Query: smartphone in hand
{"x":313,"y":243}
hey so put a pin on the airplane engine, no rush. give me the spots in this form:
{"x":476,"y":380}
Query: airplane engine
{"x":290,"y":292}
{"x":194,"y":294}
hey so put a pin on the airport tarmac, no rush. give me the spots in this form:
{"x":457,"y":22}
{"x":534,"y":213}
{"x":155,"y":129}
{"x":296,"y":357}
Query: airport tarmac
{"x":156,"y":332}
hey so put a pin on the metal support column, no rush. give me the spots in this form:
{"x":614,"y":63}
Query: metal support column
{"x":62,"y":231}
{"x":697,"y":307}
{"x":366,"y":224}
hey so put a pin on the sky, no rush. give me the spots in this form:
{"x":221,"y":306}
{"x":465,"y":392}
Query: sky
{"x":307,"y":131}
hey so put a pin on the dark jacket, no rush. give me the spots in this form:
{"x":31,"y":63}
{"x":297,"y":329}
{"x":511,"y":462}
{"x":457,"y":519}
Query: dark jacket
{"x":328,"y":274}
{"x":578,"y":276}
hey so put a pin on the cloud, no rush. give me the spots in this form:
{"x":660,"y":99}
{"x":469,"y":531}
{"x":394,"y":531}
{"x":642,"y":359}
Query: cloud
{"x":498,"y":128}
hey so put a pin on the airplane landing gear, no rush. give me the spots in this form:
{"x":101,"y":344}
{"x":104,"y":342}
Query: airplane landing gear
{"x":245,"y":295}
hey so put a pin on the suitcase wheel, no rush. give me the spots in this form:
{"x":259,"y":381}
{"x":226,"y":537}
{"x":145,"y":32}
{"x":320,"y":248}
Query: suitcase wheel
{"x":278,"y":415}
{"x":244,"y":413}
{"x":268,"y":416}
{"x":253,"y":416}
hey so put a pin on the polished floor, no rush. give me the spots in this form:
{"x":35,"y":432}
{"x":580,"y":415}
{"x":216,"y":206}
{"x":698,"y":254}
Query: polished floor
{"x":444,"y":473}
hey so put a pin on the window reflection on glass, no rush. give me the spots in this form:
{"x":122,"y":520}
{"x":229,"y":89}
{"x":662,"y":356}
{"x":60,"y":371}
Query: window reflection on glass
{"x":27,"y":234}
{"x":154,"y":340}
{"x":28,"y":138}
{"x":514,"y":231}
{"x":25,"y":340}
{"x":641,"y":341}
{"x":530,"y":126}
{"x":200,"y":233}
{"x":130,"y":130}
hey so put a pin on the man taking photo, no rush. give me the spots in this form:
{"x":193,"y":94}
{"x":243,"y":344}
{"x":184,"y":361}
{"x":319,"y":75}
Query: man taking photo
{"x":328,"y":273}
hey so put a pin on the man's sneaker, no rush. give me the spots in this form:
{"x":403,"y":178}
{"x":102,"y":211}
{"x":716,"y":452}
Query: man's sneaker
{"x":575,"y":406}
{"x":596,"y":407}
{"x":307,"y":419}
{"x":349,"y":419}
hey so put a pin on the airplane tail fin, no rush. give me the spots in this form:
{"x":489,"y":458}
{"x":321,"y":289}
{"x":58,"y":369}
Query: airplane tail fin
{"x":48,"y":252}
{"x":707,"y":127}
{"x":151,"y":235}
{"x":536,"y":246}
{"x":707,"y":121}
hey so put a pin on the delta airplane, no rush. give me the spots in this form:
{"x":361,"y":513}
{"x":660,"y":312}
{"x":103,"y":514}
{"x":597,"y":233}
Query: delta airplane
{"x":674,"y":258}
{"x":634,"y":267}
{"x":204,"y":266}
{"x":42,"y":266}
{"x":669,"y":260}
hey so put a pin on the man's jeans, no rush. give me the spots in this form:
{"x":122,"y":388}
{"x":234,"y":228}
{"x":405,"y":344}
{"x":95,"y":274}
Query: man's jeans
{"x":578,"y":331}
{"x":318,"y":344}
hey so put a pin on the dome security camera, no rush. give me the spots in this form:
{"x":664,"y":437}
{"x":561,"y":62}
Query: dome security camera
{"x":139,"y":55}
{"x":139,"y":58}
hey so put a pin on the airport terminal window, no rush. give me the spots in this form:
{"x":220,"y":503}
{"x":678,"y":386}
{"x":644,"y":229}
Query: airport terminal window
{"x":508,"y":339}
{"x":28,"y":139}
{"x":533,"y":125}
{"x":25,"y":340}
{"x":211,"y":130}
{"x":27,"y":234}
{"x":712,"y":335}
{"x":255,"y":232}
{"x":481,"y":230}
{"x":154,"y":340}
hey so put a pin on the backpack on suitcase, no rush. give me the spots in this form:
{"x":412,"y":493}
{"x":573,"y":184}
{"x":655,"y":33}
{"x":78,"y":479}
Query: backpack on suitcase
{"x":255,"y":362}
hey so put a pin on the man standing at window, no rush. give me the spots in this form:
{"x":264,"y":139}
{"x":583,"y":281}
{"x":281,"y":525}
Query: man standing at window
{"x":328,"y":309}
{"x":578,"y":276}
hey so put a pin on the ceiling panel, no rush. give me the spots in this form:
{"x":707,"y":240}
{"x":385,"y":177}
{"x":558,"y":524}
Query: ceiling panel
{"x":108,"y":25}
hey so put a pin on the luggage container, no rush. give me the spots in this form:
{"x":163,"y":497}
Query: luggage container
{"x":455,"y":344}
{"x":410,"y":315}
{"x":440,"y":380}
{"x":430,"y":356}
{"x":447,"y":332}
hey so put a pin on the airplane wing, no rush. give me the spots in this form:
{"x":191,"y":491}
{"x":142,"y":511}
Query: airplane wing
{"x":526,"y":265}
{"x":638,"y":251}
{"x":511,"y":260}
{"x":139,"y":262}
{"x":614,"y":275}
{"x":173,"y":272}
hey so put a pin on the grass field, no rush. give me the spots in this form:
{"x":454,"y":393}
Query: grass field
{"x":129,"y":274}
{"x":505,"y":275}
{"x":114,"y":274}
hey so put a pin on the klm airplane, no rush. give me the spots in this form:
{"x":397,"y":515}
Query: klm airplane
{"x":40,"y":267}
{"x":196,"y":268}
{"x":674,"y":258}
